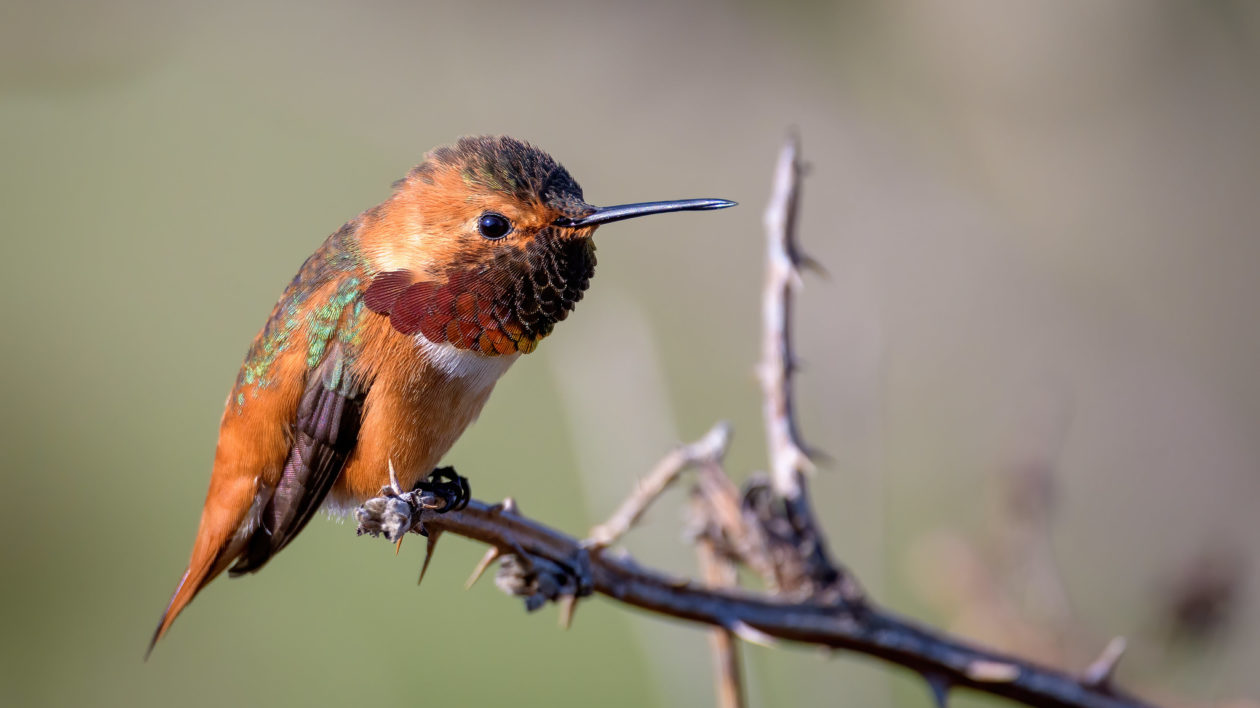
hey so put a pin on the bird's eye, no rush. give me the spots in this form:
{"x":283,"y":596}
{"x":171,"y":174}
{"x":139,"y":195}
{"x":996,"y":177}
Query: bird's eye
{"x":493,"y":226}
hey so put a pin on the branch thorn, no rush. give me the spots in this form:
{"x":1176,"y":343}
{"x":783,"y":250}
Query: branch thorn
{"x":1100,"y":672}
{"x":507,"y":506}
{"x":429,"y":547}
{"x":568,"y":605}
{"x":751,"y":634}
{"x":492,"y":554}
{"x":939,"y":686}
{"x":393,"y":479}
{"x":808,"y":264}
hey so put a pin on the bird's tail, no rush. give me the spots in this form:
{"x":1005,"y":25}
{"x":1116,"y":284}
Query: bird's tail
{"x":194,"y":579}
{"x":184,"y":593}
{"x":217,"y":545}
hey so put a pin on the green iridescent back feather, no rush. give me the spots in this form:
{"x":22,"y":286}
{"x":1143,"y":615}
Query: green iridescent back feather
{"x":340,"y":315}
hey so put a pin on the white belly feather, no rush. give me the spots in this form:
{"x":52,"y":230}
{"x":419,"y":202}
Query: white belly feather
{"x":478,"y":371}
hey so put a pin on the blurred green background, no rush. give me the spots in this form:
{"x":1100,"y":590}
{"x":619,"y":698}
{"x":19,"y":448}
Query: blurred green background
{"x":1035,"y":362}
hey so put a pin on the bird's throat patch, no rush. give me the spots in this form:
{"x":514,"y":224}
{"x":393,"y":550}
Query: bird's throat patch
{"x":504,"y":305}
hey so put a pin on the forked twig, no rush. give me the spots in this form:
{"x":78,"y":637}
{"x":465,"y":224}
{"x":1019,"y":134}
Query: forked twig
{"x":710,"y":448}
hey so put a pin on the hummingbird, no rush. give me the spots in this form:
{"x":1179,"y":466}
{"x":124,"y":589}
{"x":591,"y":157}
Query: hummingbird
{"x":387,"y":343}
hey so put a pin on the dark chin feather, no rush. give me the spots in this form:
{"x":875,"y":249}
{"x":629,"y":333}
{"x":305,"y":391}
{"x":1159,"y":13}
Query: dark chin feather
{"x":557,"y":273}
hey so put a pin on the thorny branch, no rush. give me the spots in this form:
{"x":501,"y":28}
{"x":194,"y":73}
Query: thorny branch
{"x":769,"y":527}
{"x":797,"y":546}
{"x":788,"y":457}
{"x":764,"y":617}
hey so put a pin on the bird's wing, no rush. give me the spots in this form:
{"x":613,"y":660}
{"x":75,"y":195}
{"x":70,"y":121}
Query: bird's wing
{"x":325,"y":432}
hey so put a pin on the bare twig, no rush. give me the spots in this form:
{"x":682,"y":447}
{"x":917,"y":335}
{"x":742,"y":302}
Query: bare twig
{"x":868,"y":630}
{"x":719,"y":572}
{"x":783,"y":261}
{"x":722,"y":518}
{"x":726,"y":670}
{"x":802,"y":562}
{"x":711,"y":447}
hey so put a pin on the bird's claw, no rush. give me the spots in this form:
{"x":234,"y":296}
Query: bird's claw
{"x":443,"y":490}
{"x":394,"y":512}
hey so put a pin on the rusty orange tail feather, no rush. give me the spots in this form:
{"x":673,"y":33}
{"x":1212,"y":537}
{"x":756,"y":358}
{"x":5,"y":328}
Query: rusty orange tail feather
{"x":227,"y":505}
{"x":248,"y":458}
{"x":194,"y":579}
{"x":179,"y":599}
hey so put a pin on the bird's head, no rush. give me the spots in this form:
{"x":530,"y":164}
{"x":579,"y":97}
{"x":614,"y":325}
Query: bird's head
{"x":487,"y":244}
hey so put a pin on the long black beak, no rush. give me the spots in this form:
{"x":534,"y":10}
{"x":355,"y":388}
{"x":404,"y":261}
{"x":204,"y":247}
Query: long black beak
{"x":604,"y":215}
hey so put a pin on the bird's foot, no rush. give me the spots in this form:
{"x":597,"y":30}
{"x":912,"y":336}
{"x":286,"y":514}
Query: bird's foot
{"x":444,"y":490}
{"x":395,"y":512}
